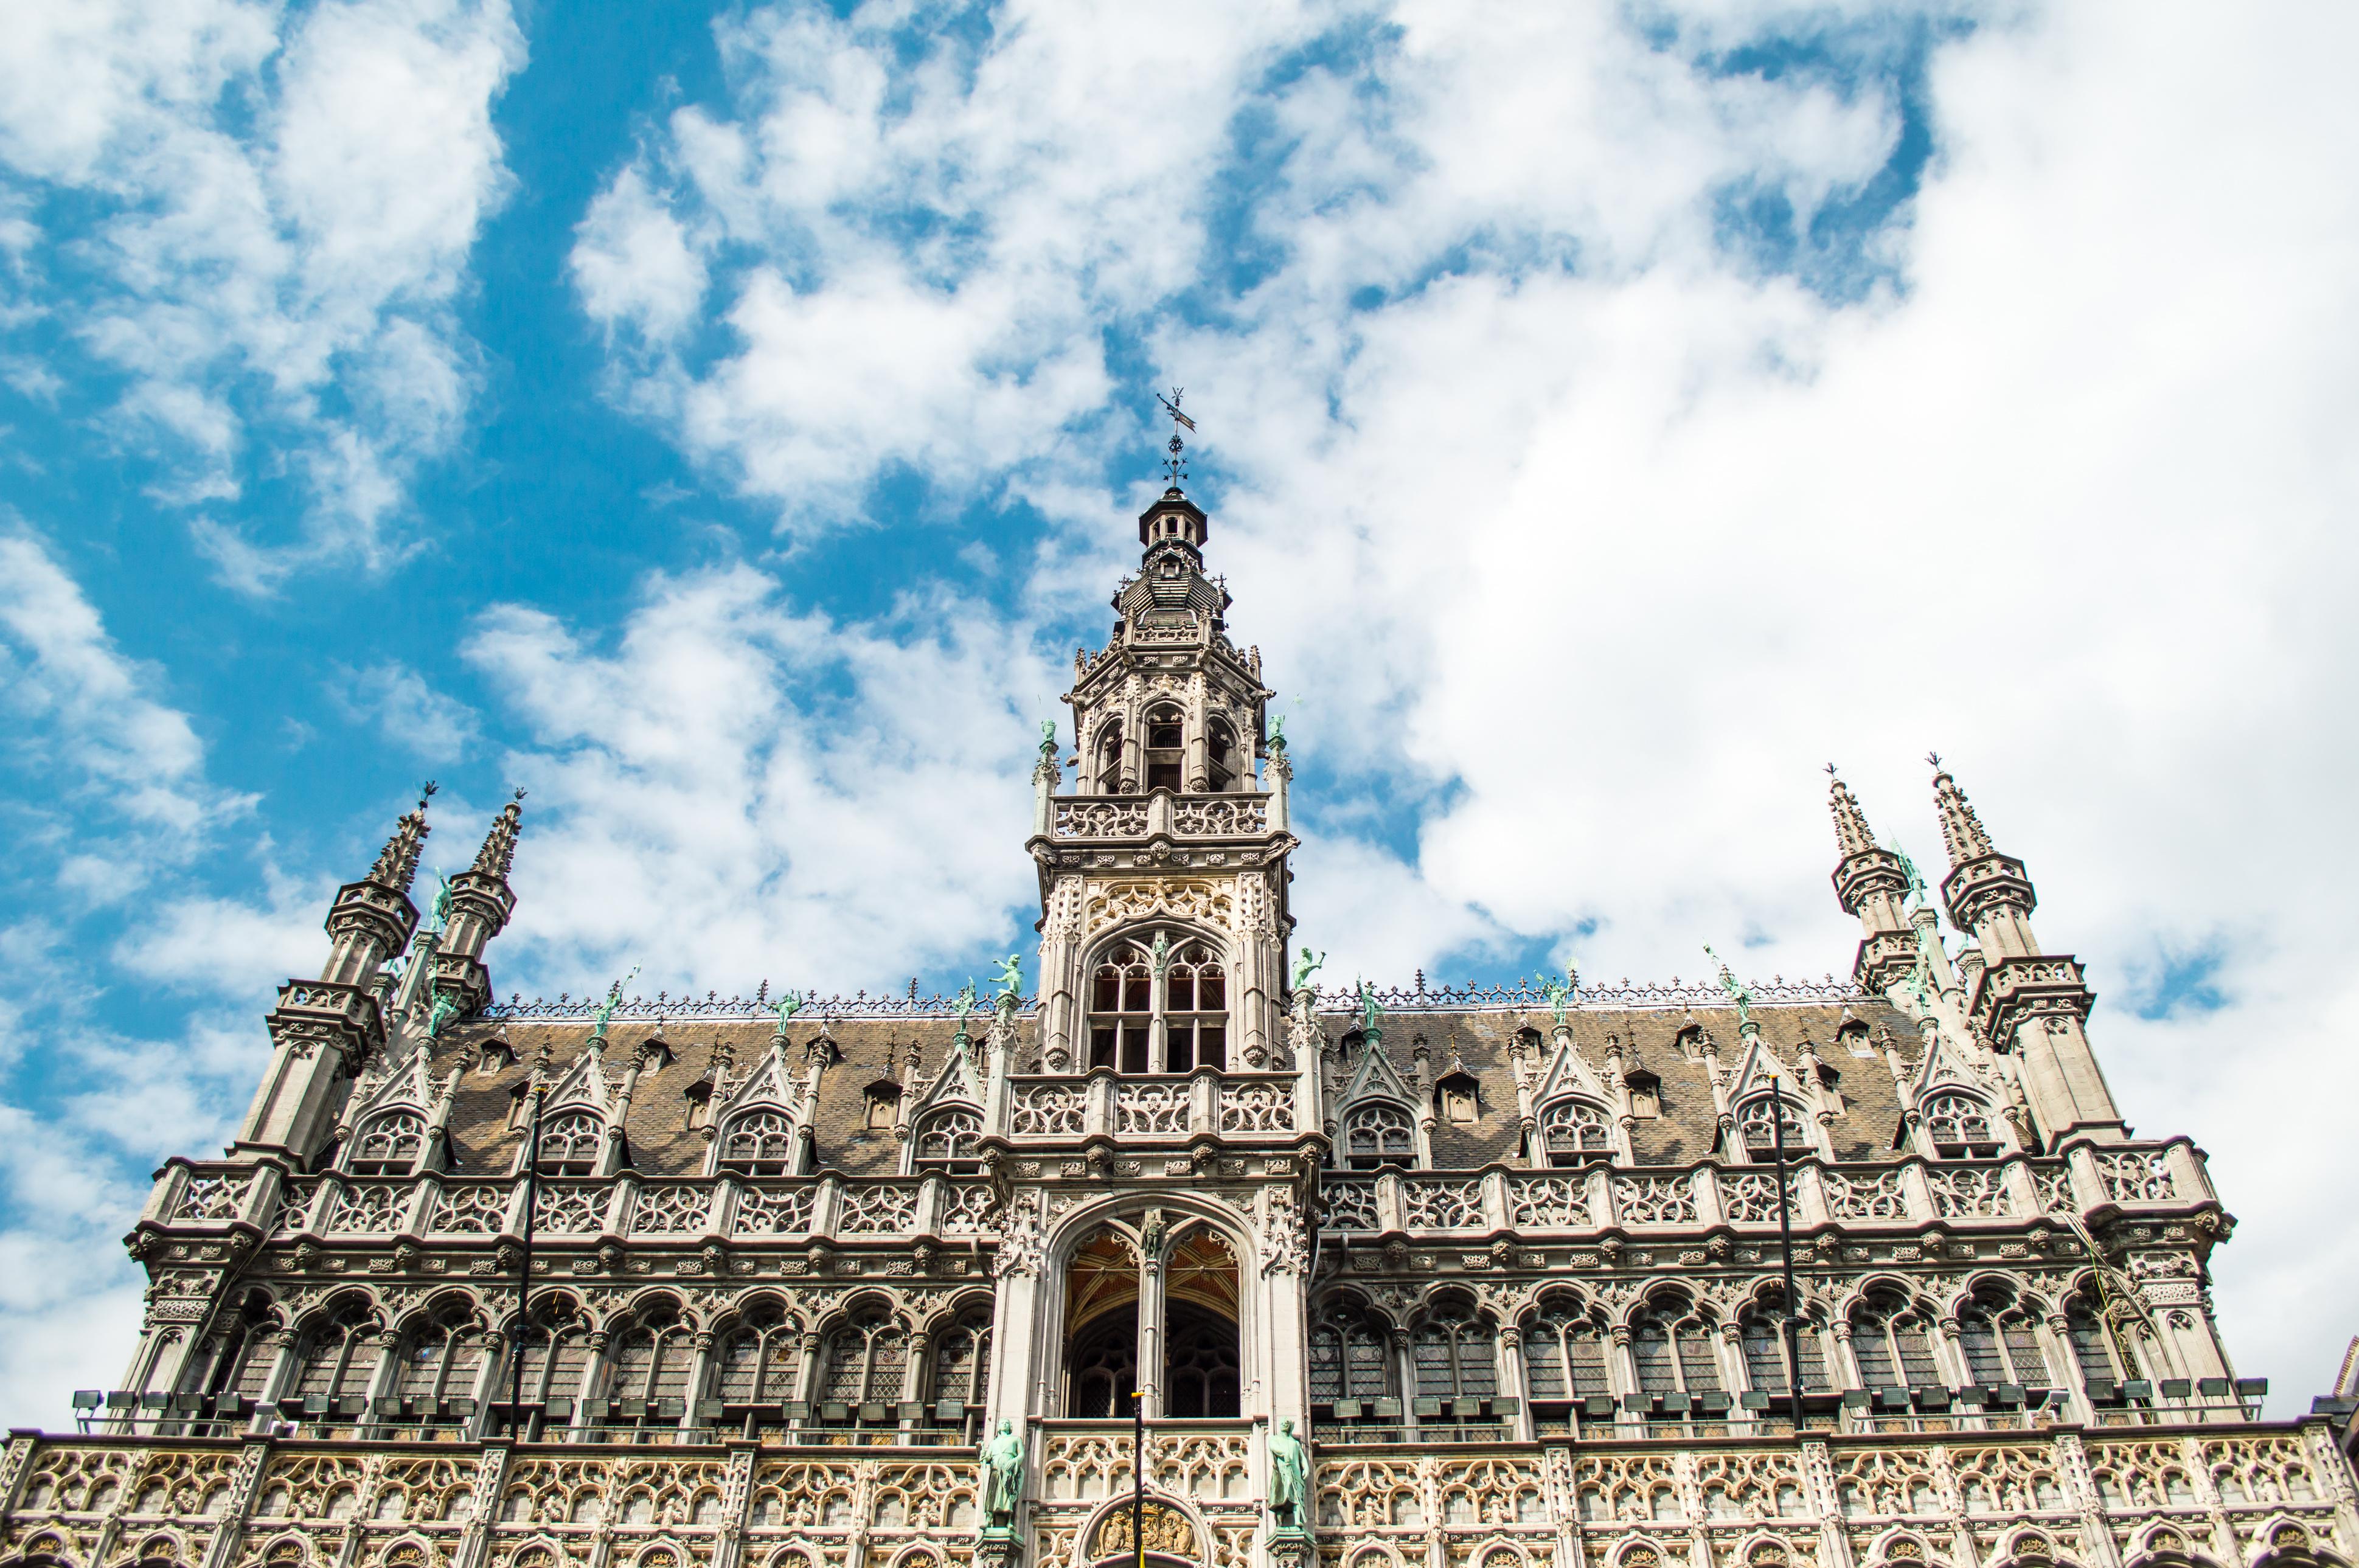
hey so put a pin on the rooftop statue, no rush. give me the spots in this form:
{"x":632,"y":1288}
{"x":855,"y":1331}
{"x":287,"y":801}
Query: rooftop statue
{"x":1306,"y":966}
{"x":1741,"y":994}
{"x":1916,"y":879}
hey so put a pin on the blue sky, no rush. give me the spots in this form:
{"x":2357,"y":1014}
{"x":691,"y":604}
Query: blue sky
{"x":725,"y":425}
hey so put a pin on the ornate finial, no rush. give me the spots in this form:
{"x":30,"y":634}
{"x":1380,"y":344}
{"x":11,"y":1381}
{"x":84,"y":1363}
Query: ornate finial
{"x":1175,"y":467}
{"x":396,"y":866}
{"x":1048,"y":744}
{"x":1961,"y":831}
{"x":499,"y":844}
{"x":1852,"y":833}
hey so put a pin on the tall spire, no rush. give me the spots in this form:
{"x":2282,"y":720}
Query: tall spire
{"x":1961,"y":831}
{"x":499,"y":844}
{"x":1852,"y":834}
{"x":396,"y":867}
{"x":1870,"y":882}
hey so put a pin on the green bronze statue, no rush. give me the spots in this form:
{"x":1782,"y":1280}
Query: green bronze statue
{"x":1916,"y":879}
{"x":1289,"y":1469}
{"x":1306,"y":966}
{"x":1003,"y":1460}
{"x":1742,"y":995}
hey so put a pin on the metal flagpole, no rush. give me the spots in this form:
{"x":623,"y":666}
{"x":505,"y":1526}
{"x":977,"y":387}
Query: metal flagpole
{"x":524,"y":1274}
{"x":1139,"y":1476}
{"x":1786,"y":1250}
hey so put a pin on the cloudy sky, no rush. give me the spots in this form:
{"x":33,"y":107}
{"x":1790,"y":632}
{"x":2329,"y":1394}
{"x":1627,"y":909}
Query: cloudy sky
{"x":726,"y":426}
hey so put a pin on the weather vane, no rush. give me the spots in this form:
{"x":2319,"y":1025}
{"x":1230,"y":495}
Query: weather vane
{"x":1175,"y":467}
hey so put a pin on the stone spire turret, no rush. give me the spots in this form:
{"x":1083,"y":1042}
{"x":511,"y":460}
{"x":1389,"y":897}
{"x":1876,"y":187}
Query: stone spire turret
{"x":323,"y":1031}
{"x":480,"y":903}
{"x":2032,"y":1004}
{"x":1872,"y":883}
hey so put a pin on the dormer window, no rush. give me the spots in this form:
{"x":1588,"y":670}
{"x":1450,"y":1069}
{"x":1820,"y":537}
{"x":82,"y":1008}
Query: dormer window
{"x":389,"y":1145}
{"x":1645,"y":1094}
{"x":1166,"y":747}
{"x":1853,"y":1038}
{"x":1186,"y":1007}
{"x":881,"y":1105}
{"x":1576,"y":1133}
{"x":699,"y":1096}
{"x":498,"y":1056}
{"x":569,"y":1142}
{"x":1378,"y":1133}
{"x":1754,"y":1122}
{"x":1459,"y":1098}
{"x":759,"y":1143}
{"x":1960,"y":1126}
{"x":1690,"y":1042}
{"x":949,"y":1142}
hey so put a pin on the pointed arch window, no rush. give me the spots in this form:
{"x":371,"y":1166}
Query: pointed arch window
{"x":1761,"y":1119}
{"x":339,"y":1355}
{"x":867,"y":1358}
{"x":651,"y":1359}
{"x":2001,"y":1342}
{"x":759,"y":1143}
{"x":1167,"y":746}
{"x":951,"y":1141}
{"x":555,"y":1346}
{"x":1564,"y":1352}
{"x":2094,"y":1349}
{"x":759,"y":1358}
{"x":1220,"y":755}
{"x":1576,"y":1132}
{"x":1454,"y":1352}
{"x":389,"y":1145}
{"x":1109,"y":758}
{"x":1762,"y":1331}
{"x":1376,"y":1133}
{"x":1351,"y":1357}
{"x":1892,"y":1341}
{"x":441,"y":1359}
{"x":962,"y":1371}
{"x":247,"y":1352}
{"x":1670,"y":1342}
{"x":1960,"y":1126}
{"x":572,"y":1143}
{"x":1174,"y":989}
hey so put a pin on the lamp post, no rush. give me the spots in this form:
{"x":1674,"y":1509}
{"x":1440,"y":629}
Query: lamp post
{"x":1790,"y":1316}
{"x":1139,"y":1476}
{"x":524,"y":1273}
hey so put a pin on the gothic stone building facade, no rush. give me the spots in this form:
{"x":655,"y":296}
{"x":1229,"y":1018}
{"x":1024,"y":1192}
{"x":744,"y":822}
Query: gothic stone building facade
{"x":1511,"y":1260}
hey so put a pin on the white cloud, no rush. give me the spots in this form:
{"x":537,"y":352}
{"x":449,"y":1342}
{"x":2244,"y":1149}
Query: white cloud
{"x":80,"y":712}
{"x":1602,"y":539}
{"x":801,"y":798}
{"x":286,"y":202}
{"x":410,"y":713}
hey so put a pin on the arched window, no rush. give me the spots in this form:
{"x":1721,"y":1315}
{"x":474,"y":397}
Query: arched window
{"x":963,"y":1360}
{"x":1959,"y":1125}
{"x":948,"y":1141}
{"x":556,"y":1351}
{"x":571,"y":1143}
{"x":1754,"y":1119}
{"x":652,"y":1356}
{"x":1220,"y":755}
{"x":247,"y":1352}
{"x":881,"y":1105}
{"x":2093,"y":1346}
{"x":441,"y":1358}
{"x":698,"y":1100}
{"x":1202,"y":1379}
{"x":1182,"y":984}
{"x":2002,"y":1342}
{"x":1378,"y":1132}
{"x":759,"y":1357}
{"x":1351,"y":1357}
{"x":1893,"y":1343}
{"x":865,"y":1360}
{"x":1672,"y":1343}
{"x":389,"y":1145}
{"x":759,"y":1143}
{"x":1166,"y":747}
{"x":1564,"y":1352}
{"x":1454,"y":1353}
{"x":1576,"y":1131}
{"x":1109,"y":758}
{"x":1762,"y":1331}
{"x":339,"y":1355}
